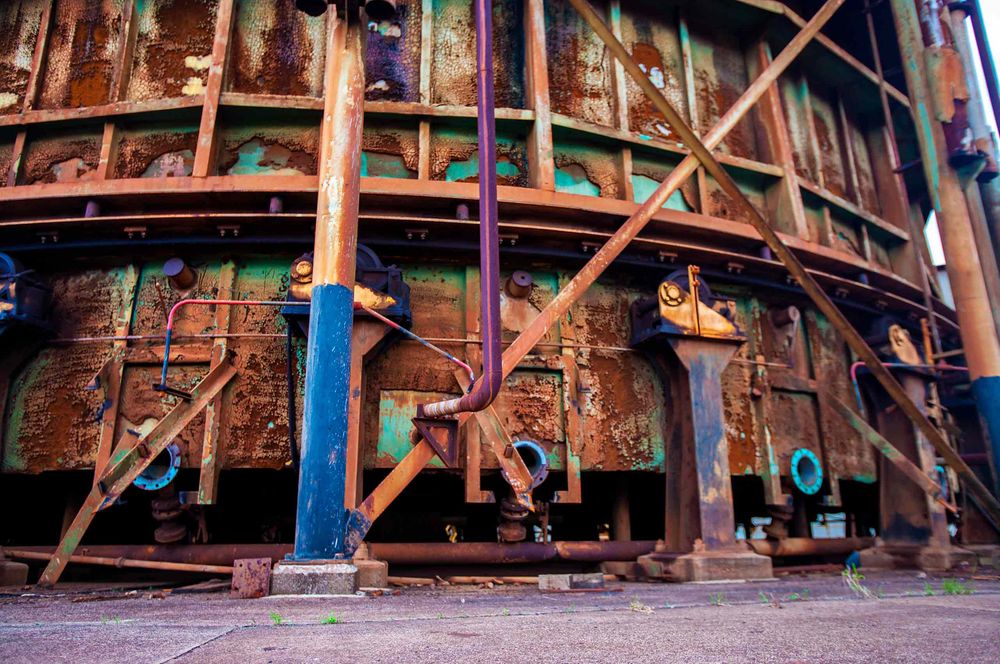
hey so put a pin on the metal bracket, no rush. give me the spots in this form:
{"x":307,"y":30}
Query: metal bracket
{"x":446,"y":448}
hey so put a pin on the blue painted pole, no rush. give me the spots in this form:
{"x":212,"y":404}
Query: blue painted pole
{"x":319,"y":531}
{"x":322,"y":515}
{"x":986,"y":391}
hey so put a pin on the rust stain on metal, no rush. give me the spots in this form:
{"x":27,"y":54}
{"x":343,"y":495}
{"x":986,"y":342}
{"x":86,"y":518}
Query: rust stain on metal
{"x":276,"y":49}
{"x":81,"y":53}
{"x":173,"y":49}
{"x":251,"y":578}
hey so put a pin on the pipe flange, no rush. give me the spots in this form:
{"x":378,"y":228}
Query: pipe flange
{"x":158,"y":475}
{"x":535,"y":458}
{"x":807,"y":472}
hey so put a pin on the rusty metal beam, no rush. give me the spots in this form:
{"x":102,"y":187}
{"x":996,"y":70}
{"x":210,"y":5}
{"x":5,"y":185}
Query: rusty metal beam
{"x":889,"y":451}
{"x":516,"y":472}
{"x":796,"y":269}
{"x":211,"y":454}
{"x":109,"y":378}
{"x":129,"y":459}
{"x":207,"y":134}
{"x":541,"y":166}
{"x":365,"y":335}
{"x":604,"y":256}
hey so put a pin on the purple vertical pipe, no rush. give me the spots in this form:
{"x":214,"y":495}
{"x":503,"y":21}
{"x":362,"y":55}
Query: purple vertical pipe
{"x":488,"y":385}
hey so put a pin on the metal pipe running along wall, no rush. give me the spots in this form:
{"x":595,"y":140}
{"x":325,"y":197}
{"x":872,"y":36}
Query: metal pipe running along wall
{"x":485,"y":390}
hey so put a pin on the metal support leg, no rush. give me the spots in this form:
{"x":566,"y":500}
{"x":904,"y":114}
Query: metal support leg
{"x":701,"y":529}
{"x":321,"y":517}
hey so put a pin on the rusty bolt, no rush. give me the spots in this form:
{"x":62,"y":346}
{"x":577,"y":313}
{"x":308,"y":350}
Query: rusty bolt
{"x":519,"y":284}
{"x":179,"y":274}
{"x":302,"y":271}
{"x":785,"y":316}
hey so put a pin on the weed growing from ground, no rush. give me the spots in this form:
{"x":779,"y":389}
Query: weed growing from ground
{"x":330,"y":619}
{"x":717,"y":599}
{"x":277,"y":618}
{"x":854,"y":580}
{"x":639,"y":607}
{"x":955,"y":587}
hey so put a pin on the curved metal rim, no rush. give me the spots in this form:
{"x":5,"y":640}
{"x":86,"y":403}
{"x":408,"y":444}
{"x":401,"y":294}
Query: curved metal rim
{"x":814,"y":487}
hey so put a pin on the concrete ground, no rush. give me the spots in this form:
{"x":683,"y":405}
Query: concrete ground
{"x":792,"y":619}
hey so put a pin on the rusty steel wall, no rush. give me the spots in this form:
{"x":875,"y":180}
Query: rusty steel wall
{"x":109,"y":100}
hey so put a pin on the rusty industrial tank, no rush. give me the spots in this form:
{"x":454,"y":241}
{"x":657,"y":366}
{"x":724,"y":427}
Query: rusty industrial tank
{"x":163,"y":150}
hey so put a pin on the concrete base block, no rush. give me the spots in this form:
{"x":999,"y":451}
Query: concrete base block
{"x":314,"y":578}
{"x":988,"y":554}
{"x":628,"y":570}
{"x":877,"y":557}
{"x":372,"y":573}
{"x":927,"y":558}
{"x":550,"y":582}
{"x":13,"y":573}
{"x":942,"y":559}
{"x":707,"y":566}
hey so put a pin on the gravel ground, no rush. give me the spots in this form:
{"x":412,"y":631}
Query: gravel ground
{"x":793,"y":619}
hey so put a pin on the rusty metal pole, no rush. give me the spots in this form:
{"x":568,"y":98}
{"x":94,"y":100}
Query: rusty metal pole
{"x":319,"y":527}
{"x":854,"y":340}
{"x":986,"y":58}
{"x":981,"y":190}
{"x":979,"y":338}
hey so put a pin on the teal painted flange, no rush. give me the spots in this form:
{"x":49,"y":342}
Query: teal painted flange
{"x":807,"y":473}
{"x":151,"y":480}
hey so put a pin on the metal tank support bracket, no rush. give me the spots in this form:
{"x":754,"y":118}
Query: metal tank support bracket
{"x":130,"y":457}
{"x":699,"y":331}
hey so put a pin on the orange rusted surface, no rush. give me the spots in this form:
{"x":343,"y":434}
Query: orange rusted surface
{"x":616,"y":405}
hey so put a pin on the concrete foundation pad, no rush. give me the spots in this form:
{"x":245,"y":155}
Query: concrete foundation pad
{"x":941,"y":559}
{"x":314,"y":578}
{"x":988,"y":554}
{"x":927,"y":558}
{"x":877,"y":557}
{"x":13,"y":573}
{"x":707,"y":566}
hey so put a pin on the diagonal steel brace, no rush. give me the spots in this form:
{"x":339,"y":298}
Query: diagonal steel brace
{"x":130,"y":457}
{"x":851,"y":336}
{"x":890,"y":452}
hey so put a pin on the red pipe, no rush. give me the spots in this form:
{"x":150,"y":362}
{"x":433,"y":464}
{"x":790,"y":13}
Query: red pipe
{"x":173,"y":312}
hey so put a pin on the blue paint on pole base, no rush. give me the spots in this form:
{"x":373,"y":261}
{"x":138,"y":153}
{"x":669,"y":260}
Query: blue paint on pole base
{"x":320,"y":521}
{"x":987,"y":393}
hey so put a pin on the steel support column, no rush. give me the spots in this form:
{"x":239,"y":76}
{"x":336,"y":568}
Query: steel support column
{"x":319,"y":526}
{"x":979,"y":339}
{"x":705,"y":457}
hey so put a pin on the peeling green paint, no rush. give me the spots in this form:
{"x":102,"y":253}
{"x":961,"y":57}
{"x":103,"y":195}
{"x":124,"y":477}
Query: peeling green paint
{"x":396,"y":409}
{"x":643,"y":187}
{"x":572,"y":179}
{"x":459,"y":171}
{"x":379,"y":165}
{"x":12,"y":459}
